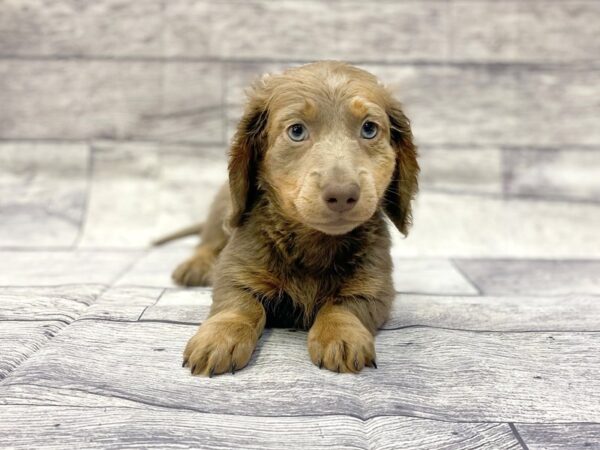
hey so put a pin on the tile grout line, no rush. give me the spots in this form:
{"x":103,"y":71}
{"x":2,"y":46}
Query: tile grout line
{"x":520,"y":295}
{"x":505,"y":174}
{"x":364,"y":418}
{"x":436,"y":62}
{"x":88,"y":195}
{"x":153,"y":304}
{"x":505,"y":196}
{"x":224,"y":106}
{"x":159,"y":407}
{"x":66,"y":325}
{"x":381,"y":330}
{"x":466,"y":277}
{"x":517,"y":436}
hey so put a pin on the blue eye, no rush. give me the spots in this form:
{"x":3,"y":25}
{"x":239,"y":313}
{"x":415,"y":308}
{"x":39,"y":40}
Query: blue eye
{"x":369,"y":130}
{"x":297,"y":132}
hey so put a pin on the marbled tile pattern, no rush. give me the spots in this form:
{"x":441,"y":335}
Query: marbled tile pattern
{"x":42,"y":183}
{"x":110,"y":99}
{"x":115,"y":117}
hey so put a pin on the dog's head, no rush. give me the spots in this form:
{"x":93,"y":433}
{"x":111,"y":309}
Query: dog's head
{"x":329,"y":145}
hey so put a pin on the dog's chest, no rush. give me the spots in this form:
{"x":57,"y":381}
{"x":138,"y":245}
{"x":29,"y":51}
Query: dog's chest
{"x":283,"y":312}
{"x":296,"y":281}
{"x":294,"y":301}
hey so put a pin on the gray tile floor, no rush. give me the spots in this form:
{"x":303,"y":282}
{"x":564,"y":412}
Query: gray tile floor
{"x":114,"y":121}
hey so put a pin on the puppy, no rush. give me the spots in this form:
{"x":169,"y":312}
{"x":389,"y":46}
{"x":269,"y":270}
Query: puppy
{"x":298,"y":237}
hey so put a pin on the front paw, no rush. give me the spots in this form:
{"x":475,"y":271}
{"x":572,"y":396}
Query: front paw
{"x":341,"y":345}
{"x":220,"y":345}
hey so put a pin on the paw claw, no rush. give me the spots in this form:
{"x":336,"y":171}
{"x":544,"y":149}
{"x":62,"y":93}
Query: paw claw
{"x":219,"y":346}
{"x":345,"y":346}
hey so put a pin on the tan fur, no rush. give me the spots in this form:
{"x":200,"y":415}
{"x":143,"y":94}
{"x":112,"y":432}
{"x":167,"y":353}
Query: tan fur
{"x":287,"y":259}
{"x":198,"y":270}
{"x":184,"y":232}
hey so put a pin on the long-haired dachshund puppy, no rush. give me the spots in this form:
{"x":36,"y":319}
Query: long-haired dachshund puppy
{"x":298,"y":237}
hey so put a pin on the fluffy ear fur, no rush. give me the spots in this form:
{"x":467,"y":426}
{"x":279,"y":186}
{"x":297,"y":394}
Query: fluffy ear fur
{"x":245,"y":153}
{"x":404,"y":184}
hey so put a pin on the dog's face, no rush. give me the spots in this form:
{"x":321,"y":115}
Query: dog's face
{"x":329,"y":144}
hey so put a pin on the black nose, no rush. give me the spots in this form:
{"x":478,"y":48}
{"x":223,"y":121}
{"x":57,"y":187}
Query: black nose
{"x":341,"y":197}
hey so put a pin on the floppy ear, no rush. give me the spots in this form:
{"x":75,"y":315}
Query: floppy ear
{"x":404,"y":184}
{"x":247,"y":147}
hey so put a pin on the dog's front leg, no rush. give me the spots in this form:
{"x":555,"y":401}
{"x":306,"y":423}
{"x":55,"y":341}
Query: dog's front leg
{"x":338,"y":339}
{"x":226,"y":340}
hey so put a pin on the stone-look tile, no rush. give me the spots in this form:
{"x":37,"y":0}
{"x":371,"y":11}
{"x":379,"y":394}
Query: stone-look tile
{"x":52,"y":303}
{"x":406,"y":30}
{"x":478,"y":226}
{"x":561,"y":436}
{"x":111,"y":99}
{"x":124,"y":98}
{"x":240,"y":76}
{"x":483,"y":31}
{"x":20,"y":339}
{"x":155,"y":267}
{"x":31,"y":107}
{"x":123,"y":204}
{"x":191,"y":107}
{"x":141,"y":191}
{"x":441,"y":374}
{"x":531,"y":31}
{"x":314,"y":37}
{"x":505,"y":313}
{"x":394,"y":31}
{"x":52,"y":268}
{"x":30,"y":27}
{"x":146,"y":100}
{"x":446,"y":104}
{"x":564,"y":173}
{"x":428,"y":276}
{"x":70,"y":27}
{"x":190,"y":305}
{"x":558,"y":106}
{"x":534,"y":277}
{"x":30,"y":316}
{"x":189,"y":178}
{"x":43,"y":188}
{"x":328,"y":30}
{"x":237,"y":30}
{"x":187,"y":28}
{"x":455,"y":104}
{"x":472,"y":170}
{"x":471,"y":105}
{"x":559,"y":31}
{"x":123,"y":303}
{"x":153,"y":428}
{"x":390,"y":432}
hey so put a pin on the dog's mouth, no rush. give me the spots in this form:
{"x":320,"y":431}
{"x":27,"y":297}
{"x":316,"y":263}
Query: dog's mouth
{"x":335,"y":227}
